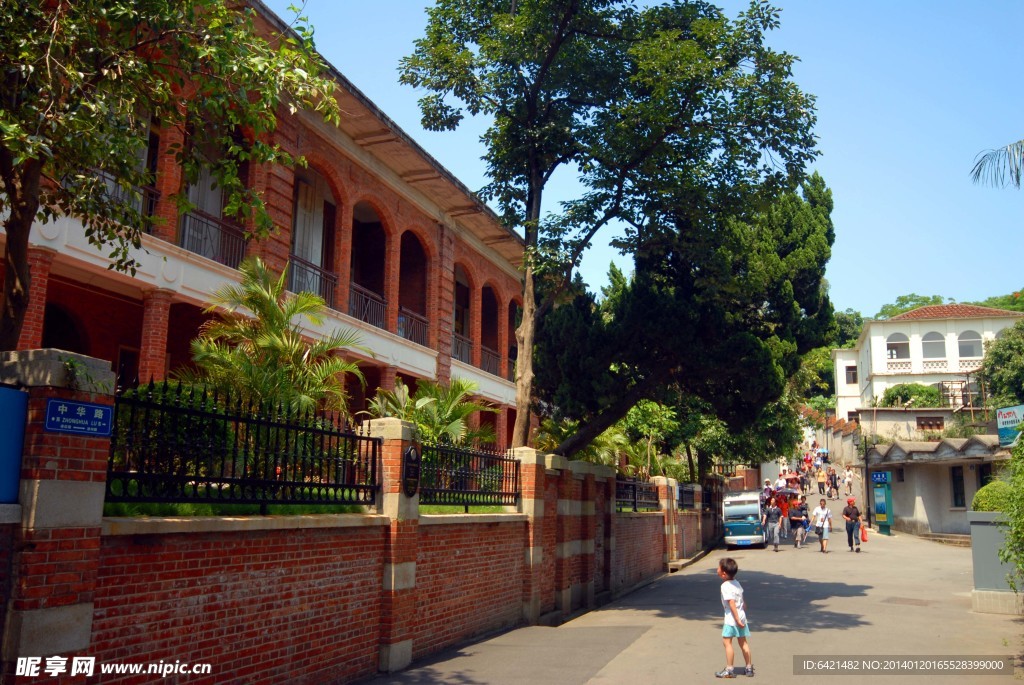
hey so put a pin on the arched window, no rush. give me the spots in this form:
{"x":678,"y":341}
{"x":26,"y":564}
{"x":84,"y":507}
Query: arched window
{"x":933,"y":346}
{"x":897,"y":346}
{"x":970,"y":345}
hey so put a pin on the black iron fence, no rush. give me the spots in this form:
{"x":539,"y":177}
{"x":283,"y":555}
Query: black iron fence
{"x":176,"y":443}
{"x":686,"y":495}
{"x":468,"y":477}
{"x":634,"y":495}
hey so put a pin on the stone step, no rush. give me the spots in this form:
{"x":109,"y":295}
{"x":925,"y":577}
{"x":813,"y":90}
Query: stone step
{"x":948,"y":539}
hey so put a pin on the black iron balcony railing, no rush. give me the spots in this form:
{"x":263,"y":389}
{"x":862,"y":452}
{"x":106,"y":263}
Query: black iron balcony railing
{"x":511,"y":370}
{"x":368,"y":306}
{"x":307,"y":277}
{"x":462,"y":348}
{"x":490,"y":361}
{"x":142,"y":198}
{"x":413,"y":326}
{"x":213,"y":238}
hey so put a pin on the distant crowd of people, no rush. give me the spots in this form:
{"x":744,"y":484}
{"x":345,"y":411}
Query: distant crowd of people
{"x":786,"y":513}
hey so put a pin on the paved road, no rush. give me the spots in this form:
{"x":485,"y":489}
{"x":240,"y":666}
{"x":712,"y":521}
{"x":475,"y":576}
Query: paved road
{"x":901,"y":596}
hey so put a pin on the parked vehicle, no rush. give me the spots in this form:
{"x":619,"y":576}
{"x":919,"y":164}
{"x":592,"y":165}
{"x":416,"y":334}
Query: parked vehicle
{"x":741,"y":514}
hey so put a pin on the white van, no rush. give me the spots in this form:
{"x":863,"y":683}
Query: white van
{"x":741,"y":516}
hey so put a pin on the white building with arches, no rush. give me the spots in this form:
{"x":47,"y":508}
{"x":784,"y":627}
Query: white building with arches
{"x":938,"y":345}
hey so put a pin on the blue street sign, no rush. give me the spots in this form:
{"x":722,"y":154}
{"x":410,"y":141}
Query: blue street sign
{"x":879,"y":476}
{"x":82,"y":418}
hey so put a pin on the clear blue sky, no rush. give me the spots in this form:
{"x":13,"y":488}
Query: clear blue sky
{"x":909,"y":92}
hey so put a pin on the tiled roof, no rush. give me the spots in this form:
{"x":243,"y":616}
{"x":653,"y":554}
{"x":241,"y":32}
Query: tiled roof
{"x":953,"y":311}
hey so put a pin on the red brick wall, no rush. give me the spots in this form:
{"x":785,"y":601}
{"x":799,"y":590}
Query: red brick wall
{"x":469,"y":580}
{"x":261,"y":607}
{"x":639,"y":546}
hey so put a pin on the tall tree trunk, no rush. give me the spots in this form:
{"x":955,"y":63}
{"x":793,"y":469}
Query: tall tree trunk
{"x":524,"y":360}
{"x":528,"y":326}
{"x":23,"y":194}
{"x":691,"y":464}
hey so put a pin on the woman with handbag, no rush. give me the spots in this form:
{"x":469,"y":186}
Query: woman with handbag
{"x":822,"y":517}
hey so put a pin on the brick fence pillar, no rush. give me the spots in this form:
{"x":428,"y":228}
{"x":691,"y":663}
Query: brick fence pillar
{"x":667,"y":501}
{"x":533,"y":483}
{"x":55,"y":558}
{"x":398,"y":605}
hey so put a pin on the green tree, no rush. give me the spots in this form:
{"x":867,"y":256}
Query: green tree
{"x":1000,"y":167}
{"x":906,"y":303}
{"x":736,"y":306}
{"x":1012,"y":302}
{"x":1002,"y":370}
{"x":850,"y":323}
{"x":441,"y":412}
{"x":80,"y":83}
{"x":1013,"y":521}
{"x":263,"y":355}
{"x":633,"y":99}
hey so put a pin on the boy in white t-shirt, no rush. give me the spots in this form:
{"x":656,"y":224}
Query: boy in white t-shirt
{"x":735,"y":625}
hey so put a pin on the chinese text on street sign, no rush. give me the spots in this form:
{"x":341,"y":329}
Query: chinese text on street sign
{"x":82,"y":418}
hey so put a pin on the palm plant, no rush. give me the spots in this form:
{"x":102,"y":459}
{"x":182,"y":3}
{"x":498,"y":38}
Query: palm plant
{"x":1001,"y":166}
{"x":606,"y":449}
{"x":441,"y":412}
{"x":264,"y":358}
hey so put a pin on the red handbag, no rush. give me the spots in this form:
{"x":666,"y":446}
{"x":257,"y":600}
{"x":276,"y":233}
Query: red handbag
{"x":863,"y":534}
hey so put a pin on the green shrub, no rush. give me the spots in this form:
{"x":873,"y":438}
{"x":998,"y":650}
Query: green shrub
{"x":923,"y":395}
{"x":993,"y":497}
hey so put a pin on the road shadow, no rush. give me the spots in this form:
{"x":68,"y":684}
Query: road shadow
{"x":777,"y":603}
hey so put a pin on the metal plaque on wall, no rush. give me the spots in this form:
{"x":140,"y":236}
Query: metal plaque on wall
{"x":411,"y":471}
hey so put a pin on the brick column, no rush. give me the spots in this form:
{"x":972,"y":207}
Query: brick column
{"x":476,"y":330}
{"x":388,"y":376}
{"x":398,"y":605}
{"x":442,"y":317}
{"x":55,"y":559}
{"x":392,"y":274}
{"x":501,"y":428}
{"x":567,"y":590}
{"x":342,"y":256}
{"x":588,"y":530}
{"x":533,"y":483}
{"x":667,"y":500}
{"x":156,"y":313}
{"x":40,"y":259}
{"x":169,"y":178}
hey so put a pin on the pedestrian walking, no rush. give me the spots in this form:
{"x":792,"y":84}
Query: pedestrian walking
{"x":784,"y":521}
{"x":822,"y":517}
{"x":852,"y":516}
{"x":848,"y":480}
{"x":821,"y":476}
{"x":771,"y":521}
{"x":798,"y":521}
{"x":833,"y":484}
{"x":735,"y":623}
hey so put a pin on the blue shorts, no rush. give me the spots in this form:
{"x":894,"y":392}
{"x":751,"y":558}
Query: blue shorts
{"x":733,"y":631}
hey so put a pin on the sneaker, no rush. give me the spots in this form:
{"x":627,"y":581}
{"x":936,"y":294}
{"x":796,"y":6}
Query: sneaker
{"x":725,"y":673}
{"x":750,"y":671}
{"x":858,"y":549}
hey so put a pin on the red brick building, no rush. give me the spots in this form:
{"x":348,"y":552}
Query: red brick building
{"x":400,"y":249}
